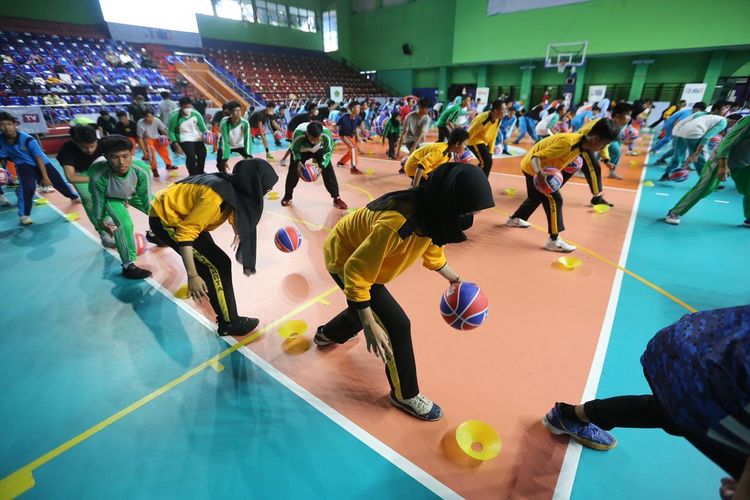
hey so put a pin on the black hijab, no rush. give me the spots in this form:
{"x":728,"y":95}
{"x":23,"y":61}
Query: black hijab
{"x":243,"y":190}
{"x":442,"y":210}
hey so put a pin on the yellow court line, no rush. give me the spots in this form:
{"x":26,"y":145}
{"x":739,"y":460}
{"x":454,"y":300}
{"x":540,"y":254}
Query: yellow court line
{"x":301,"y":221}
{"x":367,"y":193}
{"x":22,"y":479}
{"x":618,"y":266}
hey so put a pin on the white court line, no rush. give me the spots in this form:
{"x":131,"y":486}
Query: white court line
{"x":661,"y":194}
{"x":722,"y":201}
{"x":565,"y":480}
{"x":398,"y":460}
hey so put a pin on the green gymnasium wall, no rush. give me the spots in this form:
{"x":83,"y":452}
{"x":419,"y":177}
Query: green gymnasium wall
{"x":62,"y":11}
{"x":216,"y":28}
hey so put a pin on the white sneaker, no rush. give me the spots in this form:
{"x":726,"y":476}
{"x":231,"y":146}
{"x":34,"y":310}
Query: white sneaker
{"x":283,"y":163}
{"x":4,"y":201}
{"x":559,"y":245}
{"x":418,"y":406}
{"x":25,"y":220}
{"x":47,"y":189}
{"x":672,"y":219}
{"x":107,"y":240}
{"x":517,"y":222}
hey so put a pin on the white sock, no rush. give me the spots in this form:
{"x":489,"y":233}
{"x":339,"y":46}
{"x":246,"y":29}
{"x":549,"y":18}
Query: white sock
{"x":127,"y":264}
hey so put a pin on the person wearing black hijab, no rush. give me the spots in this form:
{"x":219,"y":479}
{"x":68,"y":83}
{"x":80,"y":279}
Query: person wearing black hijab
{"x":183,"y":214}
{"x":372,"y":246}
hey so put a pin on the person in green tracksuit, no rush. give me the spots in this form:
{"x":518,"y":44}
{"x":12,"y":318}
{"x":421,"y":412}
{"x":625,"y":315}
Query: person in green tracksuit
{"x":186,"y":128}
{"x":730,"y":158}
{"x":234,"y":136}
{"x":449,"y":117}
{"x":312,"y":142}
{"x":116,"y":183}
{"x":392,"y":131}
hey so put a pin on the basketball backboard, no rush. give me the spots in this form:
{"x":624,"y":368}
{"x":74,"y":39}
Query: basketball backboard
{"x":564,"y":55}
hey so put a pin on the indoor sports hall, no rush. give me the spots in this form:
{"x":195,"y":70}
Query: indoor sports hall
{"x":177,"y":325}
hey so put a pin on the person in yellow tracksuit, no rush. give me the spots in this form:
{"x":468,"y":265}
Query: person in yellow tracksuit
{"x":372,"y":246}
{"x":183,"y":214}
{"x":621,"y":114}
{"x":483,"y":134}
{"x":430,"y":156}
{"x":557,"y":151}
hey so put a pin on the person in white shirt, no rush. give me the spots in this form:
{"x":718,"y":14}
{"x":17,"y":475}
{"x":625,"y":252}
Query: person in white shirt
{"x":546,"y":125}
{"x":152,"y":137}
{"x":235,"y":137}
{"x":692,"y":135}
{"x":167,"y":106}
{"x":187,"y":128}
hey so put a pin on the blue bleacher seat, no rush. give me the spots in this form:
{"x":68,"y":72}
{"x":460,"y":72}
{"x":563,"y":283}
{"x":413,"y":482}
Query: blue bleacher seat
{"x":17,"y":101}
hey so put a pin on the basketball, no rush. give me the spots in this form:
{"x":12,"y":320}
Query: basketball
{"x":562,"y":126}
{"x":209,"y":138}
{"x":278,"y":135}
{"x":574,"y":166}
{"x":464,"y":156}
{"x":630,"y":134}
{"x":464,"y":306}
{"x":307,"y":172}
{"x":4,"y":177}
{"x":404,"y":160}
{"x":287,"y":239}
{"x":715,"y":140}
{"x":679,"y":175}
{"x":163,"y":140}
{"x":140,"y":243}
{"x":548,"y":180}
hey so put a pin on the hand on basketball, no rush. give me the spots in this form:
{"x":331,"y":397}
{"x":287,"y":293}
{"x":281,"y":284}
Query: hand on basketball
{"x":197,"y":287}
{"x":377,"y":340}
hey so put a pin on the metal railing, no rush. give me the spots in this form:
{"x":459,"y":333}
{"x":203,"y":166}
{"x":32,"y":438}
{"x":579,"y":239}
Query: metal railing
{"x":227,"y":78}
{"x":224,"y":79}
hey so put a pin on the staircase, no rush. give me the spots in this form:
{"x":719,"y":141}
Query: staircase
{"x":200,"y":75}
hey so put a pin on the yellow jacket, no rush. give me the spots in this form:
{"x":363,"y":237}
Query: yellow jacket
{"x":364,"y":248}
{"x":483,"y":133}
{"x":555,"y":151}
{"x":186,"y":210}
{"x":430,"y":156}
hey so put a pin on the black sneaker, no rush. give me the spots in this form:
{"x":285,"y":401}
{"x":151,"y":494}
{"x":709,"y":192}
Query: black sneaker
{"x":599,"y":200}
{"x":151,"y":238}
{"x":321,"y":340}
{"x":664,"y":177}
{"x":133,"y":272}
{"x":240,"y":326}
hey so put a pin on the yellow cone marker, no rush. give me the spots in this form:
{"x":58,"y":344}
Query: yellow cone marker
{"x":478,"y":440}
{"x":602,"y":208}
{"x":273,"y":195}
{"x":633,"y":163}
{"x":182,"y":292}
{"x":510,"y":191}
{"x":292,"y":328}
{"x":72,"y":216}
{"x":648,"y":184}
{"x":40,"y":201}
{"x":569,"y":262}
{"x":369,"y":171}
{"x":296,"y":345}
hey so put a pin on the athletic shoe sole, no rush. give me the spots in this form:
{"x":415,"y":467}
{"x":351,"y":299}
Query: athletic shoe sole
{"x":409,"y":410}
{"x":585,"y":442}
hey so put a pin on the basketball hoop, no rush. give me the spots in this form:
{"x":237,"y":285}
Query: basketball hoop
{"x":561,"y":65}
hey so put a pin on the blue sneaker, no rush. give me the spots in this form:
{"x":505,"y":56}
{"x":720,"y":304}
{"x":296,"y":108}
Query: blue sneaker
{"x":418,"y":406}
{"x":588,"y":435}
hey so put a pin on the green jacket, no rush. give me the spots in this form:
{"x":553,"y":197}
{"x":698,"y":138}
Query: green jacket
{"x":133,"y":187}
{"x":392,"y":127}
{"x":301,"y":145}
{"x":735,"y":147}
{"x":225,"y":126}
{"x":450,"y":114}
{"x":176,"y":119}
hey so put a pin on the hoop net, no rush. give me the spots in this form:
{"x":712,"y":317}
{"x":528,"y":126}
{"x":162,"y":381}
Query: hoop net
{"x":561,"y":65}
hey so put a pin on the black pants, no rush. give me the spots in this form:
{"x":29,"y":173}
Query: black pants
{"x":392,"y":140}
{"x":328,"y":174}
{"x":221,"y":162}
{"x":552,"y":204}
{"x":443,"y":134}
{"x":482,"y":152}
{"x":593,"y":172}
{"x":646,"y":412}
{"x":195,"y":157}
{"x":402,"y":369}
{"x":213,"y":266}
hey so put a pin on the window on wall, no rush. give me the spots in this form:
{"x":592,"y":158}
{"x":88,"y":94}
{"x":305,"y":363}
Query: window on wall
{"x":229,"y":9}
{"x":330,"y":33}
{"x":302,"y":19}
{"x":248,"y":13}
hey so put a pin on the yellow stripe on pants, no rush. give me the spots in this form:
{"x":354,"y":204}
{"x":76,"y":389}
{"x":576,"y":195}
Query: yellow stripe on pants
{"x":218,"y":286}
{"x":552,"y":214}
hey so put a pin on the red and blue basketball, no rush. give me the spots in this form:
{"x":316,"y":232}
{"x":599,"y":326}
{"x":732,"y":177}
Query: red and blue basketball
{"x":278,"y":135}
{"x":464,"y":306}
{"x":4,"y":177}
{"x":548,"y":180}
{"x":574,"y":166}
{"x":715,"y":140}
{"x":287,"y":239}
{"x":630,"y":134}
{"x":163,"y":140}
{"x":209,"y":137}
{"x":464,"y":156}
{"x":679,"y":175}
{"x":562,"y":126}
{"x":308,"y":172}
{"x":140,"y":244}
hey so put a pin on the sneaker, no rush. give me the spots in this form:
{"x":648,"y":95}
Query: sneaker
{"x":506,"y":152}
{"x":240,"y":326}
{"x":614,"y":175}
{"x":599,"y":200}
{"x":155,"y":173}
{"x":133,"y":272}
{"x":269,"y":156}
{"x":47,"y":189}
{"x":664,"y":177}
{"x":588,"y":434}
{"x":171,"y":167}
{"x":321,"y":340}
{"x":633,"y":153}
{"x":339,"y":203}
{"x":673,"y":219}
{"x":355,"y":170}
{"x":283,"y":163}
{"x":517,"y":222}
{"x":418,"y":406}
{"x":402,"y":171}
{"x":107,"y":240}
{"x":745,"y":223}
{"x":25,"y":220}
{"x":4,"y":201}
{"x":340,"y":165}
{"x":288,"y":201}
{"x":559,"y":245}
{"x":151,"y":238}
